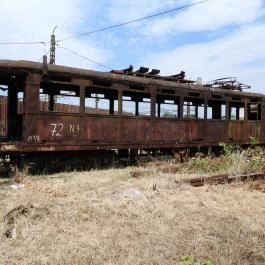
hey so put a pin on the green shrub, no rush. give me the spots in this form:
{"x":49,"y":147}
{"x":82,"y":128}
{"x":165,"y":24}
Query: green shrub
{"x":190,"y":260}
{"x":253,"y":140}
{"x":228,"y":149}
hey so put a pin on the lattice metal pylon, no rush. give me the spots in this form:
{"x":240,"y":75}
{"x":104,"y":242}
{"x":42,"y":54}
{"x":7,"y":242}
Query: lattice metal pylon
{"x":52,"y":47}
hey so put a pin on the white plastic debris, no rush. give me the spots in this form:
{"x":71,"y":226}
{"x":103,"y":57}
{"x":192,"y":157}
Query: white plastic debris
{"x":16,"y":186}
{"x":133,"y":193}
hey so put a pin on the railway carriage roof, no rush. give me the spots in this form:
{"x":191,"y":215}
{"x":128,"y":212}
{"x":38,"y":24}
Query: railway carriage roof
{"x":22,"y":67}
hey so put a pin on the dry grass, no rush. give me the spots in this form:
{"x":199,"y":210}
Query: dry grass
{"x":116,"y":217}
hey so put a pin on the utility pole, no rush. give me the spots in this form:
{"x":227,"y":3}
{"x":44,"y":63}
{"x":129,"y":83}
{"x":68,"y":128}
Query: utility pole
{"x":52,"y":47}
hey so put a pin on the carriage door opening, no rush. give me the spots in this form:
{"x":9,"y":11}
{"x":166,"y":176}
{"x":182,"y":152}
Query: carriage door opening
{"x":3,"y":111}
{"x":11,"y":106}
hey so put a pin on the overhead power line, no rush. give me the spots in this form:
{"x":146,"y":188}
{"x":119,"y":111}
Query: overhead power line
{"x":106,"y":28}
{"x":24,"y":43}
{"x":84,"y":57}
{"x":133,"y":21}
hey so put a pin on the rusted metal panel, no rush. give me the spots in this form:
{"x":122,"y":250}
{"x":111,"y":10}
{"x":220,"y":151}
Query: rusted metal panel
{"x":101,"y":129}
{"x":70,"y":132}
{"x":210,"y":130}
{"x":158,"y":130}
{"x":130,"y":135}
{"x":32,"y":93}
{"x":243,"y":131}
{"x":56,"y":128}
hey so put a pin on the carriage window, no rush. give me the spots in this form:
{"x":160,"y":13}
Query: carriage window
{"x":20,"y":99}
{"x":241,"y":113}
{"x":236,"y":111}
{"x":145,"y":107}
{"x":168,"y":109}
{"x":216,"y":109}
{"x":44,"y":100}
{"x":136,"y":103}
{"x":223,"y":117}
{"x":193,"y":108}
{"x":67,"y":101}
{"x":167,"y":106}
{"x":200,"y":111}
{"x":97,"y":104}
{"x":233,"y":113}
{"x":59,"y":99}
{"x":254,"y":111}
{"x":3,"y":110}
{"x":11,"y":108}
{"x":189,"y":111}
{"x":209,"y":112}
{"x":128,"y":106}
{"x":100,"y":100}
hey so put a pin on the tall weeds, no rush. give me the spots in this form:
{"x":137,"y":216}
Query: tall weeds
{"x":234,"y":160}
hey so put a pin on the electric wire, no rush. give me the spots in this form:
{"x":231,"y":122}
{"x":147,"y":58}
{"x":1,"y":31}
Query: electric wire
{"x":107,"y":28}
{"x":24,"y":43}
{"x":84,"y":57}
{"x":133,"y":21}
{"x":99,"y":30}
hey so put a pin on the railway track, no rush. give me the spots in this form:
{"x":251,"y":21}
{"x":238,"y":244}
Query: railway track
{"x":224,"y":179}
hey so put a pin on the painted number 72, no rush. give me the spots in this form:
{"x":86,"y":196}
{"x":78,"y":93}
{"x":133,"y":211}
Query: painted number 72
{"x":56,"y":129}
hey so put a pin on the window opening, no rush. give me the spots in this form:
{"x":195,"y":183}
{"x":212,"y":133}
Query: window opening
{"x":97,"y":104}
{"x":217,"y":109}
{"x":145,"y":108}
{"x":3,"y":110}
{"x":67,"y":101}
{"x":189,"y":110}
{"x":101,"y":101}
{"x":223,"y":111}
{"x":233,"y":113}
{"x":209,"y":112}
{"x":44,"y":100}
{"x":128,"y":106}
{"x":167,"y":106}
{"x":193,"y":108}
{"x":168,"y":110}
{"x":59,"y":99}
{"x":136,"y":103}
{"x":236,"y":111}
{"x":11,"y":106}
{"x":201,"y":112}
{"x":254,"y":111}
{"x":241,"y":113}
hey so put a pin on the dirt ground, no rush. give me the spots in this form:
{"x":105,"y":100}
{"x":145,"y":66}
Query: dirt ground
{"x":129,"y":216}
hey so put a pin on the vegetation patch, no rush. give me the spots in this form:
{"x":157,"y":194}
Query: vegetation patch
{"x":136,"y":215}
{"x":234,"y":160}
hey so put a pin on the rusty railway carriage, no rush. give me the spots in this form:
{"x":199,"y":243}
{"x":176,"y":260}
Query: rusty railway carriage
{"x":133,"y":112}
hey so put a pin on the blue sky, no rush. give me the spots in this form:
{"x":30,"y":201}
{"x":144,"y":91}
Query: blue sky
{"x":215,"y":39}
